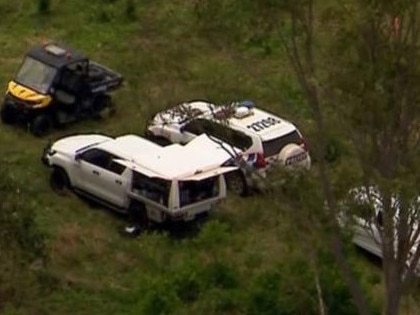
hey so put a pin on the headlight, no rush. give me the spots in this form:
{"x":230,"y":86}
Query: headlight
{"x":51,"y":152}
{"x":46,"y":153}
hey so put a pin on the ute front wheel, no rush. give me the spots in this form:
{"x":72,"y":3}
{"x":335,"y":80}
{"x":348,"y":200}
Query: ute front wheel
{"x":104,"y":106}
{"x":59,"y":181}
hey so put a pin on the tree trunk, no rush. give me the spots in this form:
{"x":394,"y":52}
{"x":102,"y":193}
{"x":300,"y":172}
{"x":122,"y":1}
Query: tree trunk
{"x":354,"y":287}
{"x":393,"y":297}
{"x":392,"y":288}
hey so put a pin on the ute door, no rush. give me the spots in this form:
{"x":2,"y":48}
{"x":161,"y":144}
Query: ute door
{"x":114,"y":183}
{"x":100,"y":176}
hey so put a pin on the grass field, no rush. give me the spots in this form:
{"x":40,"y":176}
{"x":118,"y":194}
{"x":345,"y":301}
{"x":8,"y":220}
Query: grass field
{"x":166,"y":57}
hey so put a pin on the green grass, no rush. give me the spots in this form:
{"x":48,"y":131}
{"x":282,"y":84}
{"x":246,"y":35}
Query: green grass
{"x":165,"y":59}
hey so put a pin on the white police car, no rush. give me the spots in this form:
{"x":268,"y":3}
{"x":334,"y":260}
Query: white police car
{"x":265,"y":139}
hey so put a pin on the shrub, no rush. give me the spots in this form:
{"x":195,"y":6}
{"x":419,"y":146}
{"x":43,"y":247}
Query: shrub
{"x":130,"y":10}
{"x":44,"y":6}
{"x":275,"y":291}
{"x":159,"y":299}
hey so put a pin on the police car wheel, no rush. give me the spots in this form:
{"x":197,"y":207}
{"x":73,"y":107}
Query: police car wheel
{"x":236,"y":183}
{"x":8,"y":115}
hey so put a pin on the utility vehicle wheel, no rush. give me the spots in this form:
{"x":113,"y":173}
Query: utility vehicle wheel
{"x":235,"y":182}
{"x":8,"y":115}
{"x":41,"y":125}
{"x":59,"y":181}
{"x":104,"y":106}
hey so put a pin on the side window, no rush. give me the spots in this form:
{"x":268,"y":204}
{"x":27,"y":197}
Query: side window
{"x":232,"y":137}
{"x":153,"y":188}
{"x":195,"y":191}
{"x":115,"y":167}
{"x":196,"y":126}
{"x":96,"y":157}
{"x":104,"y":160}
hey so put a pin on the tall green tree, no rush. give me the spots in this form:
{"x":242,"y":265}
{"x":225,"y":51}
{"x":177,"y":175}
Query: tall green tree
{"x":374,"y":81}
{"x":370,"y":86}
{"x":357,"y":63}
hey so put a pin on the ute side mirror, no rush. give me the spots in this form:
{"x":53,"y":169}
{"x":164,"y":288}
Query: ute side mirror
{"x":77,"y":157}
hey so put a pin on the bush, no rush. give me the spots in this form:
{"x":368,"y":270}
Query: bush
{"x":160,"y":298}
{"x":221,"y":275}
{"x":187,"y":283}
{"x":290,"y":289}
{"x":44,"y":6}
{"x":130,"y":10}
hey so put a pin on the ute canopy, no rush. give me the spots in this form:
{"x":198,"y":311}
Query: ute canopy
{"x":177,"y":161}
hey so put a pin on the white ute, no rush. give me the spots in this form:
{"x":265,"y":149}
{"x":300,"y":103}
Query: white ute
{"x":263,"y":138}
{"x":175,"y":182}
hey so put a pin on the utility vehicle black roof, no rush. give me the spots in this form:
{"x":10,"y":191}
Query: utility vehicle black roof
{"x":55,"y":55}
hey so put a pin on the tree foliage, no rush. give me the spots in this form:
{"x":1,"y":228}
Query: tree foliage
{"x":370,"y":89}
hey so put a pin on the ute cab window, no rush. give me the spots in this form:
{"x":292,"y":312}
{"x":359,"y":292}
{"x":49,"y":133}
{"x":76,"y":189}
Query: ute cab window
{"x":152,"y":188}
{"x":222,"y":132}
{"x":103,"y":160}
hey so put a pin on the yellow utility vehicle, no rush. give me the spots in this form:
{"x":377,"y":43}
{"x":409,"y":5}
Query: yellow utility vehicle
{"x":56,"y":85}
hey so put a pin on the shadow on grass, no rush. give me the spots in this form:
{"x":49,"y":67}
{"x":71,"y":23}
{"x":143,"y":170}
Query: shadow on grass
{"x":176,"y":230}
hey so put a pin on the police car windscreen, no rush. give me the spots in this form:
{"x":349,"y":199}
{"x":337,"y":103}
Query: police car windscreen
{"x":274,"y":146}
{"x":222,"y":132}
